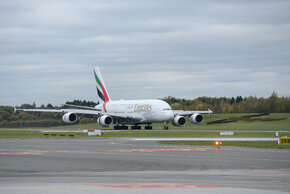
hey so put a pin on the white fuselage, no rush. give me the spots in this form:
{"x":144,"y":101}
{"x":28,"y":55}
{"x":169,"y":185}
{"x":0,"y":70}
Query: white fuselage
{"x":148,"y":111}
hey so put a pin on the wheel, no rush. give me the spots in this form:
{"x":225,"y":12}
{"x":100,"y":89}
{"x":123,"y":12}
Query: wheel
{"x":136,"y":127}
{"x":124,"y":127}
{"x":148,"y":127}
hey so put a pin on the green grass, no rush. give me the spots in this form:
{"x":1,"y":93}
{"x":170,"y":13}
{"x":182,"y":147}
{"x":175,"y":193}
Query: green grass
{"x":240,"y":144}
{"x":239,"y":125}
{"x":187,"y":134}
{"x":36,"y":134}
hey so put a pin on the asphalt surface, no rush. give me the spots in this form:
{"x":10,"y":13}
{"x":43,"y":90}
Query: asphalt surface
{"x":120,"y":165}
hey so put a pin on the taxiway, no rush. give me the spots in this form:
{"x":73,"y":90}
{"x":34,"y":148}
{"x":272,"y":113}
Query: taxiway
{"x":122,"y":165}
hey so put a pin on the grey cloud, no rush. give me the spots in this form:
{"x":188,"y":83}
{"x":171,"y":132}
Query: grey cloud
{"x":144,"y":49}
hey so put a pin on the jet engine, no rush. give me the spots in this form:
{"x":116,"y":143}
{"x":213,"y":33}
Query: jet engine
{"x":179,"y":121}
{"x":105,"y":120}
{"x":196,"y":118}
{"x":70,"y":118}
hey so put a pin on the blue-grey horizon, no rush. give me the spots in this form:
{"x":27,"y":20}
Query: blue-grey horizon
{"x":149,"y":49}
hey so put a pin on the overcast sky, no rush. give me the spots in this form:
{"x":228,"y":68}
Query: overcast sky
{"x":145,"y":49}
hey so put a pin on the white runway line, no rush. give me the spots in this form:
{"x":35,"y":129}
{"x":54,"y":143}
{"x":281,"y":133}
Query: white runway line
{"x":260,"y":139}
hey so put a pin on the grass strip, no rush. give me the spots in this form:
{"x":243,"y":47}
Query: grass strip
{"x":129,"y":133}
{"x":277,"y":124}
{"x":227,"y":143}
{"x":37,"y":134}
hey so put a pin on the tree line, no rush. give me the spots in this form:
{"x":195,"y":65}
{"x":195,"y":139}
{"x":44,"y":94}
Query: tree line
{"x":239,"y":104}
{"x":9,"y":118}
{"x":251,"y":104}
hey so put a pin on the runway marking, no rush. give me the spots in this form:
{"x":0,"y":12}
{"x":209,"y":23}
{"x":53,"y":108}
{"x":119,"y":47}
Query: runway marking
{"x":159,"y":150}
{"x":266,"y":173}
{"x":133,"y":186}
{"x":196,"y":157}
{"x":225,"y":148}
{"x":26,"y":153}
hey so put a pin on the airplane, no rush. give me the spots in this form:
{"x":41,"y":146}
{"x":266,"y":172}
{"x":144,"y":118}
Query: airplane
{"x":126,"y":112}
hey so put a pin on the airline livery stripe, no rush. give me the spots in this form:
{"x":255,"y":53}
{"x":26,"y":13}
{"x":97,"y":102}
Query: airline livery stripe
{"x":101,"y":95}
{"x":97,"y":79}
{"x":103,"y":88}
{"x":105,"y":93}
{"x":104,"y":106}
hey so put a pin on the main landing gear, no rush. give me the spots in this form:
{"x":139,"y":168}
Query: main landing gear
{"x":165,"y":126}
{"x":133,"y":127}
{"x":122,"y":127}
{"x":136,"y":127}
{"x":148,"y":127}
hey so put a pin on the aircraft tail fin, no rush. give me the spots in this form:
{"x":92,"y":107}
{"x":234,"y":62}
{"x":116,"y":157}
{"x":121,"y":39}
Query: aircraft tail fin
{"x":103,"y":94}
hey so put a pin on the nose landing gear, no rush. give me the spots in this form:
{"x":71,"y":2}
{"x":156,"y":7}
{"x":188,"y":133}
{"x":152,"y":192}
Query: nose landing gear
{"x":165,"y":126}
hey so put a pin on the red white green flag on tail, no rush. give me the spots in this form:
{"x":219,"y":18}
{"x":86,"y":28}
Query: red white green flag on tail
{"x":101,"y":87}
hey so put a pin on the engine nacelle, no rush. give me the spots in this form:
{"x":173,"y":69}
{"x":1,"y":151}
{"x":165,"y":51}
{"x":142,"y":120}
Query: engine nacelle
{"x":196,"y":118}
{"x":70,"y":118}
{"x":105,"y":120}
{"x":179,"y":121}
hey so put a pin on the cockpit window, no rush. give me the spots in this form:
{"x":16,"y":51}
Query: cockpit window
{"x":166,"y":109}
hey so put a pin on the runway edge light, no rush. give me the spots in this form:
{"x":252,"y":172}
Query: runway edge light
{"x":218,"y":143}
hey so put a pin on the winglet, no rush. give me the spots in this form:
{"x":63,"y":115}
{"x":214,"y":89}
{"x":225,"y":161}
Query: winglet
{"x":209,"y":111}
{"x":15,"y":109}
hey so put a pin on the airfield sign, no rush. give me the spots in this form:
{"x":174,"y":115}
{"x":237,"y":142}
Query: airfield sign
{"x":284,"y":140}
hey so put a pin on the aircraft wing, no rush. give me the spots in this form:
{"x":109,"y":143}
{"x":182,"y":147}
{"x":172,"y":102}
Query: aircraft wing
{"x":187,"y":113}
{"x":82,"y":107}
{"x":97,"y":112}
{"x":77,"y":111}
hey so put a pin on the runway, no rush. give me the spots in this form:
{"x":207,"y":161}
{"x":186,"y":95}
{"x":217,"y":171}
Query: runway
{"x":110,"y":165}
